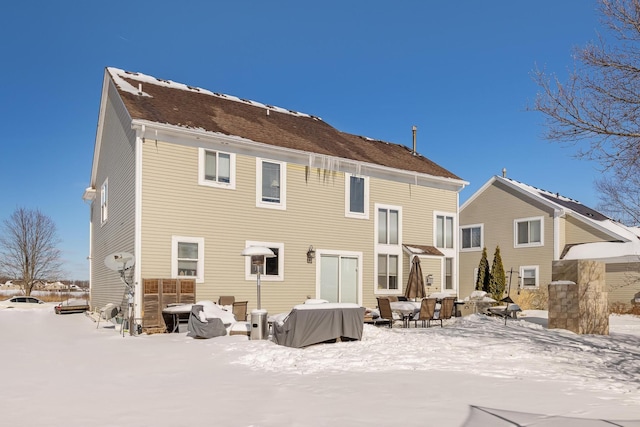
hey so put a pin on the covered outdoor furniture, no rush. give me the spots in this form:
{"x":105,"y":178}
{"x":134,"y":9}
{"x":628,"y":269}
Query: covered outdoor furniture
{"x":200,"y":326}
{"x":446,"y":309}
{"x":309,"y":324}
{"x":506,"y":311}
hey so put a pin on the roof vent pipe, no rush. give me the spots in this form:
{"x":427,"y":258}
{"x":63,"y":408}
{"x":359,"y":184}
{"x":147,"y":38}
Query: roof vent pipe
{"x":414,"y":129}
{"x":504,"y":172}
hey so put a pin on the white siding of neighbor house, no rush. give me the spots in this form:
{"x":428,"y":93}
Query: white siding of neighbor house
{"x":497,"y":208}
{"x":174,"y":204}
{"x":117,"y":164}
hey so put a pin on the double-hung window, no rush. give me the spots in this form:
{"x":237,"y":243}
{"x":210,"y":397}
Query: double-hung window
{"x":444,"y":231}
{"x":356,"y":196}
{"x":471,"y":237}
{"x":216,"y":169}
{"x":271,"y":184}
{"x":187,"y":257}
{"x":529,"y":276}
{"x":528,"y":232}
{"x":104,"y":197}
{"x":273,"y":268}
{"x":388,"y":248}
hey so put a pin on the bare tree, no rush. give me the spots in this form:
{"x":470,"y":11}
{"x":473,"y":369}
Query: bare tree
{"x":28,"y":252}
{"x":599,"y":106}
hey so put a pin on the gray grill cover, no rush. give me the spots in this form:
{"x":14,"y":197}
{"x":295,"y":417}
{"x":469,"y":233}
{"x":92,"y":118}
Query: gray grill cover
{"x":199,"y":329}
{"x":312,"y":326}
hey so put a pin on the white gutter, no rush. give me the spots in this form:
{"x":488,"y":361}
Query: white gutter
{"x":197,"y":137}
{"x":557,"y":214}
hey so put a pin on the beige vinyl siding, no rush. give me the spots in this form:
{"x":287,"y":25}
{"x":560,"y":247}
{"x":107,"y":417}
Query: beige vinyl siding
{"x":623,"y":282}
{"x":117,"y":164}
{"x":432,"y":266}
{"x":579,"y":232}
{"x":173,"y":204}
{"x":497,"y":208}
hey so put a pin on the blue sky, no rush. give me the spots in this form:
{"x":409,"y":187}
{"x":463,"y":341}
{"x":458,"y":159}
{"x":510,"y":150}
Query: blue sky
{"x":458,"y":70}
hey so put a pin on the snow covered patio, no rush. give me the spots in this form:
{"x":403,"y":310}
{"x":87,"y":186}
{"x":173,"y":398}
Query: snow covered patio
{"x":62,"y":370}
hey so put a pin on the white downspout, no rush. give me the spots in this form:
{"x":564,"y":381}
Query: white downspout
{"x":137,"y":244}
{"x":557,"y":214}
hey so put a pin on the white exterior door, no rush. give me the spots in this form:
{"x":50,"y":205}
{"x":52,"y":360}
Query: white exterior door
{"x":339,"y":279}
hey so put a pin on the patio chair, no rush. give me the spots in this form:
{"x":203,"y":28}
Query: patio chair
{"x":446,"y":309}
{"x":427,"y":312}
{"x":226,"y":300}
{"x":240,"y":310}
{"x":386,"y":314}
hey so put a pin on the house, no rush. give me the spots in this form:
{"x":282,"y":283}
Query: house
{"x":185,"y":179}
{"x":534,"y":227}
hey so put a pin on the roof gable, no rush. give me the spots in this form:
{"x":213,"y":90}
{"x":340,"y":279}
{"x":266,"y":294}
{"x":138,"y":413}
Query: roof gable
{"x":561,"y":203}
{"x":162,"y":101}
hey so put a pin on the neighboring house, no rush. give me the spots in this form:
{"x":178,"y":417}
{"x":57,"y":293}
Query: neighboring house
{"x":185,"y":179}
{"x":534,"y":227}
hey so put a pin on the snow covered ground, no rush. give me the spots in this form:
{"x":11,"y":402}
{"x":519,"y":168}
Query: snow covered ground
{"x":62,"y":370}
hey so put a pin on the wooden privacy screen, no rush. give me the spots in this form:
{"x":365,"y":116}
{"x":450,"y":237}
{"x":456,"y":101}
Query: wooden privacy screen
{"x":158,"y":293}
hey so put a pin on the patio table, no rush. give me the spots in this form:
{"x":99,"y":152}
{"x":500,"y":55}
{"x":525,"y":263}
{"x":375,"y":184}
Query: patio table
{"x":407,"y":309}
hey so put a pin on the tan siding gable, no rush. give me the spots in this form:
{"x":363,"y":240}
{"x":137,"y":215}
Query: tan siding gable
{"x":579,"y":232}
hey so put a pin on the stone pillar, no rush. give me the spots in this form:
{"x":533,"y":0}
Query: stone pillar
{"x":578,"y":299}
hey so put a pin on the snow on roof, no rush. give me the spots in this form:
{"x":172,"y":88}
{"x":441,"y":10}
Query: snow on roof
{"x":611,"y":252}
{"x":118,"y":74}
{"x":577,"y":209}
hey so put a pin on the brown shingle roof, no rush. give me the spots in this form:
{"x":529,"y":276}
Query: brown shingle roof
{"x":179,"y":105}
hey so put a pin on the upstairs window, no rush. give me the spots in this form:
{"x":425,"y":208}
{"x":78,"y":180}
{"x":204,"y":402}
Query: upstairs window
{"x":271,"y":184}
{"x":216,"y":169}
{"x":528,"y":232}
{"x":471,"y":237}
{"x":388,"y":226}
{"x":444,"y":231}
{"x":356,"y":196}
{"x":104,"y":202}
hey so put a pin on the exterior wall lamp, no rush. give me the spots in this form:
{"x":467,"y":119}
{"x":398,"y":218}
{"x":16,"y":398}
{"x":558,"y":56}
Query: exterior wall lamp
{"x":429,"y":280}
{"x":311,"y":254}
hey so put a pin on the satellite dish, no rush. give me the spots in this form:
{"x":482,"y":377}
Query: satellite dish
{"x":119,"y":261}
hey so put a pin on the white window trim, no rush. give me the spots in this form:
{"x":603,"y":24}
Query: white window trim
{"x":530,"y":267}
{"x":448,"y":252}
{"x":104,"y":202}
{"x":388,"y":249}
{"x":174,"y":256}
{"x":283,"y":185}
{"x":515,"y":232}
{"x":472,"y":249}
{"x":347,"y":197}
{"x":263,"y":277}
{"x":231,"y":185}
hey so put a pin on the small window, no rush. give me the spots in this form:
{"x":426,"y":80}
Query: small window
{"x":528,"y":232}
{"x":444,"y":231}
{"x":271,"y":184}
{"x":529,"y":276}
{"x":273,"y":267}
{"x":187,"y":259}
{"x":216,"y":169}
{"x":356,"y":196}
{"x":471,"y":237}
{"x":104,"y":197}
